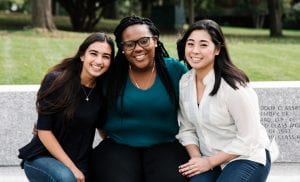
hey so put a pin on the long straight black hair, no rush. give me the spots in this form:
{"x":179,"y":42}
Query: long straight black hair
{"x":223,"y":67}
{"x":60,"y":87}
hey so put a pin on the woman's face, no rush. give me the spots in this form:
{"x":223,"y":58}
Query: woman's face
{"x":200,"y":51}
{"x":96,"y":60}
{"x":139,"y":46}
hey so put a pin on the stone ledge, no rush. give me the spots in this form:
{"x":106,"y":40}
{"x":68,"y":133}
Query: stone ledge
{"x":17,"y":115}
{"x":284,"y":172}
{"x":287,"y":172}
{"x":12,"y":174}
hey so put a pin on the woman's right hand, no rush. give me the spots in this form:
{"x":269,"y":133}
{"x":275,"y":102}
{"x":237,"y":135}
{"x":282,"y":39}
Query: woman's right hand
{"x":78,"y":174}
{"x":53,"y":146}
{"x":194,"y":166}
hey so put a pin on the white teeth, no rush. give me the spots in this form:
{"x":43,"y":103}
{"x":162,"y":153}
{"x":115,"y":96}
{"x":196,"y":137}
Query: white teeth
{"x":97,"y":67}
{"x":139,"y":57}
{"x":196,"y":59}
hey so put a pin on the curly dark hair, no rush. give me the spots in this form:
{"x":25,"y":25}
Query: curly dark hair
{"x":120,"y":65}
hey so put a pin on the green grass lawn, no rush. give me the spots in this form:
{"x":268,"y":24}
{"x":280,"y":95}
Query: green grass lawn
{"x":26,"y":54}
{"x":261,"y":57}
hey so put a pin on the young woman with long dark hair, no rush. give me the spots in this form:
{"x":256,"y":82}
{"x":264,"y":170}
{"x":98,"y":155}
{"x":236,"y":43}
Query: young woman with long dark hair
{"x":219,"y":112}
{"x":70,"y":105}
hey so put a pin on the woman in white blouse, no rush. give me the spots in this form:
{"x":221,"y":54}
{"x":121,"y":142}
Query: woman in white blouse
{"x":219,"y":112}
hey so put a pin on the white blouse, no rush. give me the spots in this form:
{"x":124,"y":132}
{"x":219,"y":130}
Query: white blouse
{"x":228,"y":121}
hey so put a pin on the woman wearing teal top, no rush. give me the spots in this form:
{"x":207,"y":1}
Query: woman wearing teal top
{"x":141,"y":124}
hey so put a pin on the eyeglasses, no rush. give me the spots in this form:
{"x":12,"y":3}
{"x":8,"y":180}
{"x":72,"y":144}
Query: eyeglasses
{"x":130,"y":45}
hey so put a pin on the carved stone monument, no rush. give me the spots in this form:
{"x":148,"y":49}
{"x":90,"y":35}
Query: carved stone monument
{"x":280,"y":114}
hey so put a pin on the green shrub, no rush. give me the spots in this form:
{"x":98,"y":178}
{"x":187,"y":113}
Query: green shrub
{"x":292,"y":19}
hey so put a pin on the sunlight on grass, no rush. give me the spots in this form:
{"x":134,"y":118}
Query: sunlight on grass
{"x":26,"y":58}
{"x":267,"y":61}
{"x":27,"y":53}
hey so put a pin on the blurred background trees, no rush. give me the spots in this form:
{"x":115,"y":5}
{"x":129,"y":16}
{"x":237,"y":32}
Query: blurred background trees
{"x":84,"y":14}
{"x":171,"y":15}
{"x":41,"y":15}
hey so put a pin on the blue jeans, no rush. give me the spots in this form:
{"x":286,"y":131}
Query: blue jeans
{"x":47,"y":169}
{"x":237,"y":171}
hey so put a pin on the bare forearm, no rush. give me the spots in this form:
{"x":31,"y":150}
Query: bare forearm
{"x":193,"y":150}
{"x":220,"y":158}
{"x":199,"y":164}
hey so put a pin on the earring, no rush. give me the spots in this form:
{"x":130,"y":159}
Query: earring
{"x":155,"y":45}
{"x":123,"y":52}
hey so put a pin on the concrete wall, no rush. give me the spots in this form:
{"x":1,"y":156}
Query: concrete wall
{"x":280,"y":114}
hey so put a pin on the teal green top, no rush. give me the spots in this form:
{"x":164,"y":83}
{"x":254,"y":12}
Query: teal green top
{"x":148,"y":116}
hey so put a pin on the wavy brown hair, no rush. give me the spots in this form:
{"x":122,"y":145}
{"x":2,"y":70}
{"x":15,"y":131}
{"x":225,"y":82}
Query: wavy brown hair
{"x":61,"y":86}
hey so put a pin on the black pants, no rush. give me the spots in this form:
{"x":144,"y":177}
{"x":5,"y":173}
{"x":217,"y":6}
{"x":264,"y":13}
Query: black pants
{"x":113,"y":162}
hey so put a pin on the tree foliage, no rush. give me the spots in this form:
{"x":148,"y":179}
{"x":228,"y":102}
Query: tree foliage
{"x":84,"y":14}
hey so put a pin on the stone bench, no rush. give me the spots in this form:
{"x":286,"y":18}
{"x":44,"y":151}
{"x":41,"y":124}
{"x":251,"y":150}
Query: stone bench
{"x":280,"y":114}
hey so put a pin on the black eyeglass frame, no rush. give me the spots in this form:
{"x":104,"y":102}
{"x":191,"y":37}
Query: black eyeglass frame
{"x":125,"y":47}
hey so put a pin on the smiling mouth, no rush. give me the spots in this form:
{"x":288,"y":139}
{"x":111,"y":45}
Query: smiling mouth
{"x":96,"y":67}
{"x":196,"y":59}
{"x":140,"y":57}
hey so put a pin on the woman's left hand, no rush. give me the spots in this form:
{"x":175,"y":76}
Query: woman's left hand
{"x":194,"y":166}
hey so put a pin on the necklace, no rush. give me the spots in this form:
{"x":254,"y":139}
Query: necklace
{"x":146,"y":83}
{"x":87,"y":95}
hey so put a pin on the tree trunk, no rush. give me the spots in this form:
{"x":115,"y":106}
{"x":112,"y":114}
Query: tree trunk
{"x":42,"y":15}
{"x":275,"y":14}
{"x":258,"y":20}
{"x":191,"y":11}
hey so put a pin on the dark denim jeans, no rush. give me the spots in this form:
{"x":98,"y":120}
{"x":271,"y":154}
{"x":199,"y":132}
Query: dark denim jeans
{"x":47,"y":169}
{"x":237,"y":171}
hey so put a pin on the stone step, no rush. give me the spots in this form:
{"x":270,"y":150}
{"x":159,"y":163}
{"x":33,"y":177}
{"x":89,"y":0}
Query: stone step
{"x":12,"y":174}
{"x":284,"y":172}
{"x":280,"y":172}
